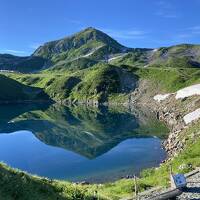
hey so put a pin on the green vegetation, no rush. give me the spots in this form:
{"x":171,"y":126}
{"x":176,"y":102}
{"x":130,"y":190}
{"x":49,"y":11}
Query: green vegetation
{"x":83,"y":43}
{"x":95,"y":83}
{"x":75,"y":65}
{"x":103,"y":82}
{"x":18,"y":185}
{"x":180,"y":56}
{"x":13,"y":91}
{"x":98,"y":84}
{"x":137,"y":58}
{"x":167,"y":79}
{"x":21,"y":64}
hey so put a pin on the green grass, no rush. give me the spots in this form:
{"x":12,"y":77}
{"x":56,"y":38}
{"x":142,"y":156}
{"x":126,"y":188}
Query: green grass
{"x":136,"y":58}
{"x":18,"y":185}
{"x":75,"y":65}
{"x":101,"y":82}
{"x":167,"y":79}
{"x":183,"y":55}
{"x":97,"y":84}
{"x":13,"y":91}
{"x":118,"y":98}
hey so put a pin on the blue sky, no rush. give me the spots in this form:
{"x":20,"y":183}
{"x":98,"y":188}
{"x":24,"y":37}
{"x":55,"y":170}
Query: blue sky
{"x":25,"y":24}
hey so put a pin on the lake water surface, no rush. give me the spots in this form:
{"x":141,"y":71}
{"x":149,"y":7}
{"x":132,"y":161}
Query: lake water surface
{"x":80,"y":143}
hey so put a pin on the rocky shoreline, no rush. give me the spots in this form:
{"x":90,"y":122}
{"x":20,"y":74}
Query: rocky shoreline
{"x":172,"y":113}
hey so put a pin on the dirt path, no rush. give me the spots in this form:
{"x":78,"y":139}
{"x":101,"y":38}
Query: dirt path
{"x":193,"y":188}
{"x":192,"y":192}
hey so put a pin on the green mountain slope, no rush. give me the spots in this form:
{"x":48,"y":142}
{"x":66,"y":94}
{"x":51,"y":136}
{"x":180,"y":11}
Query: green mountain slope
{"x":178,"y":56}
{"x":74,"y":65}
{"x":86,"y":48}
{"x":184,"y":55}
{"x":82,"y":44}
{"x":107,"y":83}
{"x":13,"y":91}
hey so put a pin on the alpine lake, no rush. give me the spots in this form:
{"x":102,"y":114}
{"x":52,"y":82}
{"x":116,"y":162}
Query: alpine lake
{"x":80,"y":143}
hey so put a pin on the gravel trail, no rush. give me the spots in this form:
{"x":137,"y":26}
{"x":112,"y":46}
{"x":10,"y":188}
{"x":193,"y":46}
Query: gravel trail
{"x":193,"y":188}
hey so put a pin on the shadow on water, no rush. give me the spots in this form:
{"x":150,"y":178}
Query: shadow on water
{"x":88,"y":131}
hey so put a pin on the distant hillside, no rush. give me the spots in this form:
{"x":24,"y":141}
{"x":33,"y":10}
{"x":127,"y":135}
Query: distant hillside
{"x":21,"y":64}
{"x":178,"y":56}
{"x":13,"y":91}
{"x":183,"y":55}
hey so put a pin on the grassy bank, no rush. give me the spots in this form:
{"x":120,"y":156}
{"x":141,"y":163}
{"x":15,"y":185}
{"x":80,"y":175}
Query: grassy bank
{"x":17,"y":185}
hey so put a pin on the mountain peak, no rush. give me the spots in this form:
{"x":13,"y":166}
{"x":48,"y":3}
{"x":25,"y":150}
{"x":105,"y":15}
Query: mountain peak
{"x":83,"y":42}
{"x":91,"y":29}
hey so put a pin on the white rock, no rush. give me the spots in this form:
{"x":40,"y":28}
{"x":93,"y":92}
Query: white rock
{"x":161,"y":97}
{"x":188,"y":91}
{"x":192,"y":116}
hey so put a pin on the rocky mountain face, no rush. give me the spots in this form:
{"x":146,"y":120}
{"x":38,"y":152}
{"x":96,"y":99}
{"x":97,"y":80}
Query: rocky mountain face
{"x":185,"y":55}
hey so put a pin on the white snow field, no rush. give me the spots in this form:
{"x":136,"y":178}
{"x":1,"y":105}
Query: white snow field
{"x":161,"y":97}
{"x":188,"y":91}
{"x":180,"y":94}
{"x":192,"y":116}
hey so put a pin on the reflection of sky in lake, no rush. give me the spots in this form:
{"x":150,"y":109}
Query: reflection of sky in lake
{"x":23,"y":150}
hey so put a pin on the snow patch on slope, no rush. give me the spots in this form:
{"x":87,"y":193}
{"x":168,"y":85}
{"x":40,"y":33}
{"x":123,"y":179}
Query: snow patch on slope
{"x":154,"y":50}
{"x":188,"y":91}
{"x":116,"y":57}
{"x":180,"y":94}
{"x":92,"y":52}
{"x":161,"y":97}
{"x":192,"y":116}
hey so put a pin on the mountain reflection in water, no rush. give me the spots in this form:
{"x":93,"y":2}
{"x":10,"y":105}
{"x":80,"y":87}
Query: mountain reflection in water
{"x":95,"y":136}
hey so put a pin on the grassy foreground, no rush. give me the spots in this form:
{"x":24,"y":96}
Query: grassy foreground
{"x":15,"y":184}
